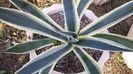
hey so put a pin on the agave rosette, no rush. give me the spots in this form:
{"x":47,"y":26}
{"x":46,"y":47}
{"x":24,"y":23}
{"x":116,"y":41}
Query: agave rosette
{"x":30,"y":18}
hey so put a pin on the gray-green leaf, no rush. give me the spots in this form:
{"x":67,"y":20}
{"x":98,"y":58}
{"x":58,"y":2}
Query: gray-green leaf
{"x":46,"y":70}
{"x":45,"y":59}
{"x":31,"y":8}
{"x":109,"y":19}
{"x":90,"y":64}
{"x":83,"y":4}
{"x":116,"y":38}
{"x":28,"y":22}
{"x":99,"y":44}
{"x":71,"y":16}
{"x":29,"y":46}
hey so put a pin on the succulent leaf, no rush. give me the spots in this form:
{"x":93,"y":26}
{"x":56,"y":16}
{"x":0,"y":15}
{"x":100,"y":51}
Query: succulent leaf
{"x":109,"y":19}
{"x":71,"y":16}
{"x":28,"y":22}
{"x":116,"y":38}
{"x":29,"y":46}
{"x":99,"y":44}
{"x":87,"y":61}
{"x":32,"y":9}
{"x":45,"y":59}
{"x":46,"y":70}
{"x":83,"y":5}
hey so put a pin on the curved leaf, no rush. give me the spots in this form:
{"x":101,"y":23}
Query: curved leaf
{"x":98,"y":44}
{"x":49,"y":69}
{"x":71,"y":16}
{"x":29,"y":46}
{"x":46,"y":70}
{"x":109,"y":19}
{"x":26,"y":21}
{"x":45,"y":59}
{"x":90,"y":64}
{"x":116,"y":38}
{"x":30,"y":8}
{"x":83,"y":4}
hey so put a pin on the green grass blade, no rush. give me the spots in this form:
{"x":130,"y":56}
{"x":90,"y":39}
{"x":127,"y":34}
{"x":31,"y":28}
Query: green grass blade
{"x":71,"y":16}
{"x":32,"y":9}
{"x":116,"y":38}
{"x":45,"y":59}
{"x":89,"y":63}
{"x":28,"y":22}
{"x":101,"y":45}
{"x":29,"y":46}
{"x":83,"y":4}
{"x":109,"y":19}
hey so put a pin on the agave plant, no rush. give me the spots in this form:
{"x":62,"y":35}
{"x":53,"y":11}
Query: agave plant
{"x":70,"y":38}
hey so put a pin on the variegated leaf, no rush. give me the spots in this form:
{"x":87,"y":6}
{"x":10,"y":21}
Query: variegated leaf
{"x":29,"y":46}
{"x":116,"y":38}
{"x":109,"y":19}
{"x":32,"y":9}
{"x":71,"y":16}
{"x":45,"y":59}
{"x":87,"y":61}
{"x":100,"y":44}
{"x":83,"y":4}
{"x":28,"y":22}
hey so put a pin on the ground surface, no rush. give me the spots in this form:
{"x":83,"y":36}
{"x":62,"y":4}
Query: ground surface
{"x":115,"y":65}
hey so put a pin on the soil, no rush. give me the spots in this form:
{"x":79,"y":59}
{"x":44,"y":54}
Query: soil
{"x":116,"y":65}
{"x":9,"y":63}
{"x":5,"y":3}
{"x":69,"y":64}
